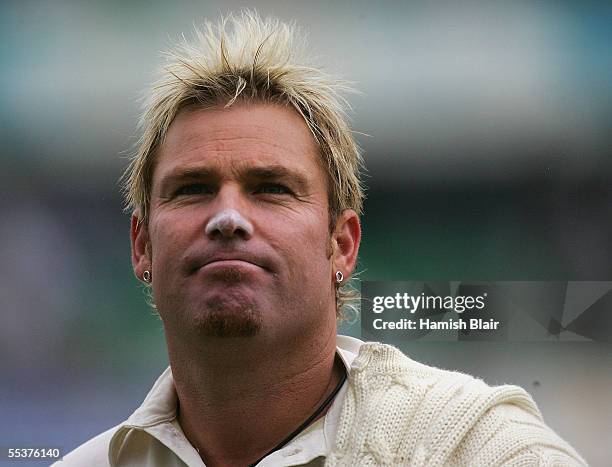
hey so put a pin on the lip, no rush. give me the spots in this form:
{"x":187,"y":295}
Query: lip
{"x":231,"y":262}
{"x":235,"y":260}
{"x":237,"y":265}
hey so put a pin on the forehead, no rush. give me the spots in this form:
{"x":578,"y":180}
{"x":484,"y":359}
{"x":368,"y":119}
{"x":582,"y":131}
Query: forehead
{"x":244,"y":135}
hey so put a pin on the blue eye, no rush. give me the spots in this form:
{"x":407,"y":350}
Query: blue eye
{"x":193,"y":189}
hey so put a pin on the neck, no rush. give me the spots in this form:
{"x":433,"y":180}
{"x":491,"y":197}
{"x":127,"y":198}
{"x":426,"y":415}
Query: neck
{"x":236,"y":387}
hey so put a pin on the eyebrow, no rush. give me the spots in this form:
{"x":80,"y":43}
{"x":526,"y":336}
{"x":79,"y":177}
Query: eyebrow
{"x":269,"y":172}
{"x":276,"y":172}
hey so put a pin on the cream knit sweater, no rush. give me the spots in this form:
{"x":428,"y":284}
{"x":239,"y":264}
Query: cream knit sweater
{"x":399,"y":412}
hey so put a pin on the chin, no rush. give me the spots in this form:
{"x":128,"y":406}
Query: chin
{"x":220,"y":319}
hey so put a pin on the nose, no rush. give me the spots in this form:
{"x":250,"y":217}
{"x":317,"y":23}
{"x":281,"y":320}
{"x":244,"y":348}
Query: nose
{"x":227,"y":224}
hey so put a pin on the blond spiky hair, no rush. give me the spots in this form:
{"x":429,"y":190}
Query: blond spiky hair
{"x":248,"y":59}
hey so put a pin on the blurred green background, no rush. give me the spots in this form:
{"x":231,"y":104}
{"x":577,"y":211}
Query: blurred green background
{"x":489,"y":157}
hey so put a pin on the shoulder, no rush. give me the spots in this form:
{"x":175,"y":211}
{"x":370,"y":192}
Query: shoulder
{"x":420,"y":415}
{"x":92,"y":453}
{"x":511,"y":434}
{"x":380,"y":365}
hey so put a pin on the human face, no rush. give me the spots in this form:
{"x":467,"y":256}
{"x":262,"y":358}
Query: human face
{"x":238,"y":238}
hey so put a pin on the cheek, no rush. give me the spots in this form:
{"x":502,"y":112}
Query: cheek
{"x":167,"y":239}
{"x":307,"y":247}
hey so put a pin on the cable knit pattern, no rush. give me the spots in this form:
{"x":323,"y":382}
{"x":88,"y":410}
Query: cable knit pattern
{"x":399,"y":412}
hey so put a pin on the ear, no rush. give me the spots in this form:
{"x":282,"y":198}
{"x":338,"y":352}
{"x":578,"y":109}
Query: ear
{"x":345,"y":243}
{"x":139,"y":237}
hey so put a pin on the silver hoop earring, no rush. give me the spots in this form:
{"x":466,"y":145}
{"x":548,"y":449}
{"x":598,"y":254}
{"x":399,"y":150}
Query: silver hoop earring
{"x":339,"y":277}
{"x":146,"y":276}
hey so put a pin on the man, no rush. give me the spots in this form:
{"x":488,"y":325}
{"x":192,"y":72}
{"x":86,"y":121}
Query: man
{"x":245,"y":196}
